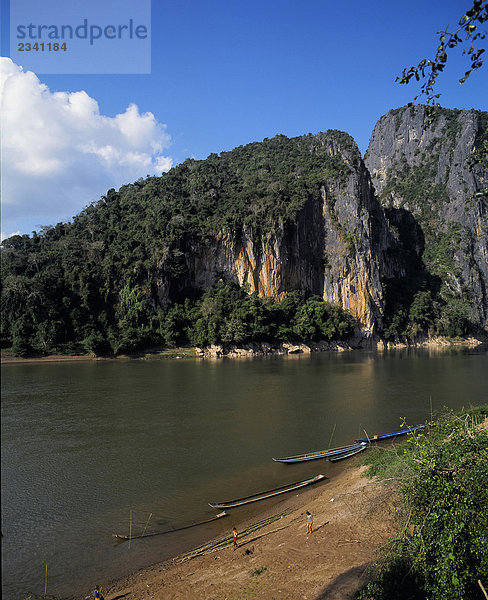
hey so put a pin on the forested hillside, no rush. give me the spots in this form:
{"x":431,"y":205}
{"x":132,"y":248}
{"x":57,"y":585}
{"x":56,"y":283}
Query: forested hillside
{"x":116,"y":279}
{"x":282,"y":240}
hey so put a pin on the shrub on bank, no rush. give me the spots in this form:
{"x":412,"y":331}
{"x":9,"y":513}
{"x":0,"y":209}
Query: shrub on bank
{"x":442,"y":549}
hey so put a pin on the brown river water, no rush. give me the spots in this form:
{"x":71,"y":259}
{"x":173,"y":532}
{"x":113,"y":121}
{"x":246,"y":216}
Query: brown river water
{"x":94,"y":448}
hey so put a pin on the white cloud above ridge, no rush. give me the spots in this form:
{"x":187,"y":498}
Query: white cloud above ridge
{"x":59,"y":153}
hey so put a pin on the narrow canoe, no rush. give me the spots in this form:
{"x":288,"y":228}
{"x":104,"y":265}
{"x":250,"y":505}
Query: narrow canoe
{"x":136,"y":537}
{"x":362,"y":446}
{"x":385,"y":436}
{"x":320,"y":454}
{"x":269,"y":494}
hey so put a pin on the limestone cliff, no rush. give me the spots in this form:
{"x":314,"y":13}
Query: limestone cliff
{"x":336,"y":245}
{"x":420,"y":168}
{"x":400,"y":240}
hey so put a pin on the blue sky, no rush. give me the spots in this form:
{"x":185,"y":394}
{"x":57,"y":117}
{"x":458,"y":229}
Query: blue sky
{"x":222,"y":74}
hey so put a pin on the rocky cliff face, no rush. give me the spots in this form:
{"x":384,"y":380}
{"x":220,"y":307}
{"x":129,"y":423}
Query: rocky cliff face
{"x":337,"y":246}
{"x":421,"y":173}
{"x":404,"y":249}
{"x":369,"y":236}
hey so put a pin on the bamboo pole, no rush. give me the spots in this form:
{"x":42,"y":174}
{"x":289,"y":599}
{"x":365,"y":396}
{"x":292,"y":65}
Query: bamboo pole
{"x":332,"y":435}
{"x":226,"y":540}
{"x":130,"y":526}
{"x":482,"y":589}
{"x":45,"y":582}
{"x":210,"y":548}
{"x":147,"y":523}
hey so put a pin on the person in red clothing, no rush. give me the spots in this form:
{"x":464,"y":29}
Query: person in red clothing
{"x":234,"y":538}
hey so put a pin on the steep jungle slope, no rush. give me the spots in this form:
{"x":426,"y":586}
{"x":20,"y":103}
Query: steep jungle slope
{"x":276,"y":216}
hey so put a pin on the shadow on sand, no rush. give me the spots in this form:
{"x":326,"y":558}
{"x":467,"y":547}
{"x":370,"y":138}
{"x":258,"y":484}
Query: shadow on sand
{"x":345,"y":586}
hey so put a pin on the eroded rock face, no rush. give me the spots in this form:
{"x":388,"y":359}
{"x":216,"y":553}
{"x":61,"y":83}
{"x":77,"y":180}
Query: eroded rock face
{"x":336,"y":248}
{"x":413,"y":204}
{"x":420,"y":169}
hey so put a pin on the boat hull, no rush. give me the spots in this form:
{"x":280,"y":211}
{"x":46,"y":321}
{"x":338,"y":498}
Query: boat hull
{"x":348,"y":454}
{"x":316,"y":455}
{"x":269,"y":494}
{"x":392,"y":434}
{"x":144,"y":535}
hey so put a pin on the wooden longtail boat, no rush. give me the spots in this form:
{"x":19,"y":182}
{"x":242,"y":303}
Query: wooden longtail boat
{"x":269,"y":494}
{"x":385,"y":436}
{"x":136,"y":537}
{"x":362,"y":446}
{"x":320,"y":454}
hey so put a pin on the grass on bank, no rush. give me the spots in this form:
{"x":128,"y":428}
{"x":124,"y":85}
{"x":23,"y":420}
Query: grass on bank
{"x":441,"y":550}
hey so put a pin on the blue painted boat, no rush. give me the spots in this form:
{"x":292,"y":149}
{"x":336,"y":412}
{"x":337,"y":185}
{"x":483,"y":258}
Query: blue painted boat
{"x":392,"y":434}
{"x":319,"y":454}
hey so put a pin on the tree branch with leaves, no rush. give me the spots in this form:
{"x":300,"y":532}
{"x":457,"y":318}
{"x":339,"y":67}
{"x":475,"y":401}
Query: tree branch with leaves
{"x":467,"y":33}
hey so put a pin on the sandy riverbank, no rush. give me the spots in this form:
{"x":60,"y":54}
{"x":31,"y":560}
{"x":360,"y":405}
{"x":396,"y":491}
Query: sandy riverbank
{"x":353,"y":516}
{"x":9,"y":359}
{"x":16,"y":360}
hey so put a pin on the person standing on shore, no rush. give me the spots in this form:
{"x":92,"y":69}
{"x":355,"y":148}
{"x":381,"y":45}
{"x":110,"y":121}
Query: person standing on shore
{"x":234,"y":538}
{"x":309,"y":522}
{"x":97,"y":593}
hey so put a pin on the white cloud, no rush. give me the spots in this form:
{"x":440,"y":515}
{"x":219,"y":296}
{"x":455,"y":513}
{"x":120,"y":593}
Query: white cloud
{"x":4,"y":236}
{"x":59,"y":153}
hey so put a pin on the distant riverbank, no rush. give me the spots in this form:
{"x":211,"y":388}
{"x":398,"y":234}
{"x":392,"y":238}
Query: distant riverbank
{"x":9,"y":358}
{"x":254,"y":349}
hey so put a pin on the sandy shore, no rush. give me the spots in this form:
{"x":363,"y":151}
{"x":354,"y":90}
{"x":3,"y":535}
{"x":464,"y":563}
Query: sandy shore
{"x":9,"y":359}
{"x":353,"y":516}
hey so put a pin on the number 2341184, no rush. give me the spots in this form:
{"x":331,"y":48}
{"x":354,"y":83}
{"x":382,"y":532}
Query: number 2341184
{"x":41,"y":47}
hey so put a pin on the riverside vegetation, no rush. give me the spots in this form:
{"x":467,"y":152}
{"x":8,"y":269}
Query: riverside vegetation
{"x":441,"y":551}
{"x":246,"y":245}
